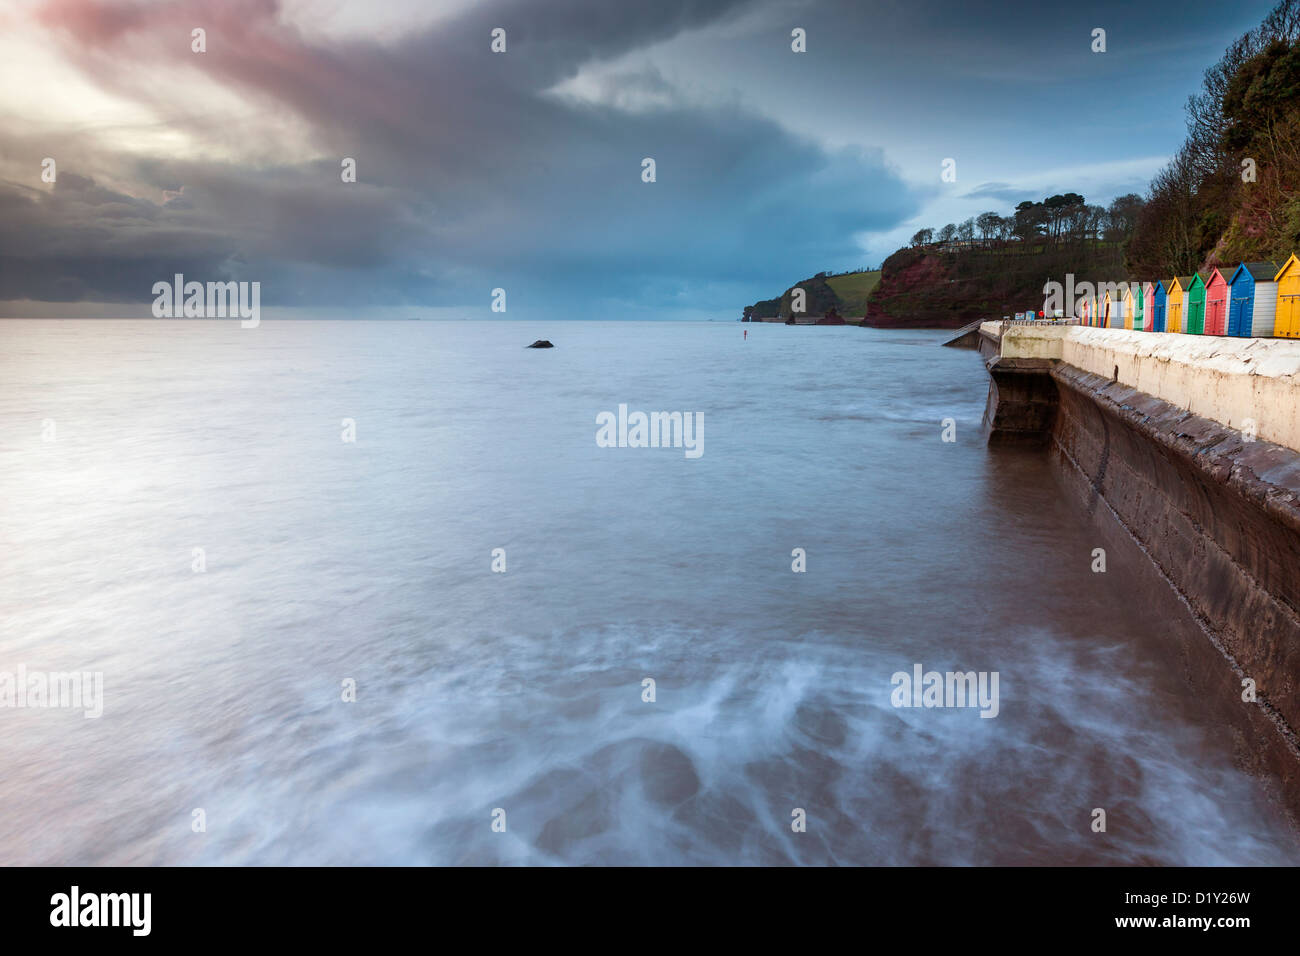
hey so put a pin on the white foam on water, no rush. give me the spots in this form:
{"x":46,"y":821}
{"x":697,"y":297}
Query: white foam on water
{"x":523,"y":691}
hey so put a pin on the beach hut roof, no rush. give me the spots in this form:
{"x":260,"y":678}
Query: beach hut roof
{"x":1259,"y":271}
{"x":1168,"y":284}
{"x":1188,"y":281}
{"x":1287,"y":265}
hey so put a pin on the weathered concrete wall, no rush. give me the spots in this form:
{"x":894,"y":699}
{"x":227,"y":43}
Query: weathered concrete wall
{"x":1221,"y":519}
{"x":967,"y":337}
{"x":1026,"y":341}
{"x":989,"y":342}
{"x":1217,"y":514}
{"x":1022,"y":401}
{"x":1229,"y":380}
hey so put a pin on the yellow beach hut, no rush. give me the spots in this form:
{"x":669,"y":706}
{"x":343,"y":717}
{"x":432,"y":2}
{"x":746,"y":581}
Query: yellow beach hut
{"x":1287,"y":324}
{"x":1174,"y":305}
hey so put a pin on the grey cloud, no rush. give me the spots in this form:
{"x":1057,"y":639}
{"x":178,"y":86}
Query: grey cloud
{"x":470,"y":176}
{"x":1001,"y":191}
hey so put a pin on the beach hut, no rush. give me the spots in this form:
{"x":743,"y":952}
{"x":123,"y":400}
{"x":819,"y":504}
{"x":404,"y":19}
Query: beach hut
{"x":1139,"y":306}
{"x":1149,"y":306}
{"x":1174,"y":296}
{"x":1216,"y":302}
{"x":1288,"y":299}
{"x":1252,"y":299}
{"x":1193,"y":303}
{"x":1085,"y":314}
{"x":1128,"y":305}
{"x":1157,"y":304}
{"x":1109,"y":311}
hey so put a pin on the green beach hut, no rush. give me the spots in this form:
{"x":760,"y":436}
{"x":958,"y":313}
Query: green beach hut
{"x":1193,"y":303}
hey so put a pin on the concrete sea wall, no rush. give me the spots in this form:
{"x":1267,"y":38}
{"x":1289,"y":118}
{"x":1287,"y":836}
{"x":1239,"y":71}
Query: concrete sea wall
{"x":1229,"y":380}
{"x":1191,"y":444}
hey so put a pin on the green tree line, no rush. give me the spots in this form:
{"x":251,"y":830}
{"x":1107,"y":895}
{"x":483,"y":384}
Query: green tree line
{"x":1058,"y":220}
{"x":1232,"y":192}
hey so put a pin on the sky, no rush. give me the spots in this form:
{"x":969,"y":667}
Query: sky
{"x":522,"y":170}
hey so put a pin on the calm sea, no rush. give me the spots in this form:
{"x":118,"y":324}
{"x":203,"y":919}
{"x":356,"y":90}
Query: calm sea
{"x":181,"y":513}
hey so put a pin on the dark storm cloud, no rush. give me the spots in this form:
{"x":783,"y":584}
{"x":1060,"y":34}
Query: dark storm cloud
{"x":470,"y":174}
{"x":474,"y":174}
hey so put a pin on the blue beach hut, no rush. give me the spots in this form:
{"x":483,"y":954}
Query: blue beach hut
{"x":1252,"y":299}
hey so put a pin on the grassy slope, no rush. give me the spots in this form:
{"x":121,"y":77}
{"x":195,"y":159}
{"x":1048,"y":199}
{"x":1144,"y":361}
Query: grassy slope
{"x":853,"y":290}
{"x":850,"y":292}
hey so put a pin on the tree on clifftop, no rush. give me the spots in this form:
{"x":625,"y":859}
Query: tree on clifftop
{"x":989,"y":224}
{"x":1232,"y":192}
{"x":1122,"y":216}
{"x":1029,"y":220}
{"x":1059,"y":220}
{"x":1057,"y":211}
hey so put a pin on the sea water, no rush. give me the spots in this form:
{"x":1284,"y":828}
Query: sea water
{"x":373,"y":593}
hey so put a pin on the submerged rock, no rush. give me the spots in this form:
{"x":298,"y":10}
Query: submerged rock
{"x":541,"y":344}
